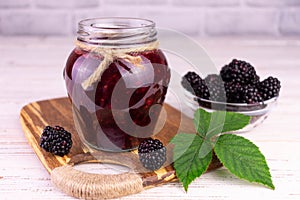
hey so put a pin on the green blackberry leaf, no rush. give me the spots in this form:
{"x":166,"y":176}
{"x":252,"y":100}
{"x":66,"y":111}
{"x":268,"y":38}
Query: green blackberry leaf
{"x":210,"y":124}
{"x":187,"y":160}
{"x":202,"y":121}
{"x":243,"y":159}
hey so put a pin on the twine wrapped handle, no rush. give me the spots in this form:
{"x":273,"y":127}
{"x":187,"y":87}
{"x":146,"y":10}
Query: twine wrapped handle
{"x":109,"y":54}
{"x":85,"y":185}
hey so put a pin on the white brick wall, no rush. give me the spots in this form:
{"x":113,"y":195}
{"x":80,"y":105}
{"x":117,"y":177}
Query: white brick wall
{"x":272,"y":3}
{"x":188,"y":21}
{"x":134,"y":2}
{"x":61,"y":4}
{"x":290,"y":22}
{"x":217,"y":3}
{"x":14,"y":4}
{"x":193,"y":17}
{"x":37,"y":23}
{"x":242,"y":22}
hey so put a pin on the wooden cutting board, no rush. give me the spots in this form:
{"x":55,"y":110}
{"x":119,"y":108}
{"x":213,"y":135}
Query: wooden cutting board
{"x":35,"y":116}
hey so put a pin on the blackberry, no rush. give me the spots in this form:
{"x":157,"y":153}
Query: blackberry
{"x":249,"y":94}
{"x":269,"y":88}
{"x":239,"y":71}
{"x":152,"y":153}
{"x":56,"y":140}
{"x":191,"y":80}
{"x":215,"y":86}
{"x":202,"y":90}
{"x":232,"y":93}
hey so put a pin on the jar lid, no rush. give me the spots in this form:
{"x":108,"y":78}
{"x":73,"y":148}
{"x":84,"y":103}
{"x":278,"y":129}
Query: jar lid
{"x":116,"y":31}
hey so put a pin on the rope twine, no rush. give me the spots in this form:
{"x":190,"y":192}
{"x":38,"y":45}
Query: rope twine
{"x":95,"y":186}
{"x":109,"y":55}
{"x":85,"y":185}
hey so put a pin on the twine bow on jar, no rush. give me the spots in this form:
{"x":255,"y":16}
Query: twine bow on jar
{"x":109,"y":55}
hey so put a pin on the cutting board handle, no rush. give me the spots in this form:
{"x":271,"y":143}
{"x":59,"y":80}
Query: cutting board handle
{"x":85,"y":185}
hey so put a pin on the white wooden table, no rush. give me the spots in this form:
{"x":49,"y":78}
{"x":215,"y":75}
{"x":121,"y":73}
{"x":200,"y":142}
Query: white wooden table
{"x":31,"y":70}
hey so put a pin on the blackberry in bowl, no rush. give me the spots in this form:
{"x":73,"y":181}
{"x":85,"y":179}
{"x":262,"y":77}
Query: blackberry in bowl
{"x":236,"y":89}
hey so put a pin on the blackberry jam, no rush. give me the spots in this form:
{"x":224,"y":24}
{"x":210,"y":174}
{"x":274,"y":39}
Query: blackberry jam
{"x":117,"y":80}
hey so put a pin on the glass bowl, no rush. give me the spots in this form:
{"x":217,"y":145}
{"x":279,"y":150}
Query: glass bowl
{"x":258,"y":111}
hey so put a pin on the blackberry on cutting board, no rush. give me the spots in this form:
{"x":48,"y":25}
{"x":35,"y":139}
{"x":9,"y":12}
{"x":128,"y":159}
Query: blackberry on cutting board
{"x":56,"y":140}
{"x":269,"y":88}
{"x":239,"y":71}
{"x":152,"y":153}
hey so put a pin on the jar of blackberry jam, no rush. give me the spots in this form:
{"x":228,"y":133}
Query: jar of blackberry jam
{"x":117,"y":80}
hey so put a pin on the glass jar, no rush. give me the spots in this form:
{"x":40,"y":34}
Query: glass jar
{"x":117,"y":80}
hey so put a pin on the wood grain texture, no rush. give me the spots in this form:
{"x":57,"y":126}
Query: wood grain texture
{"x":35,"y":116}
